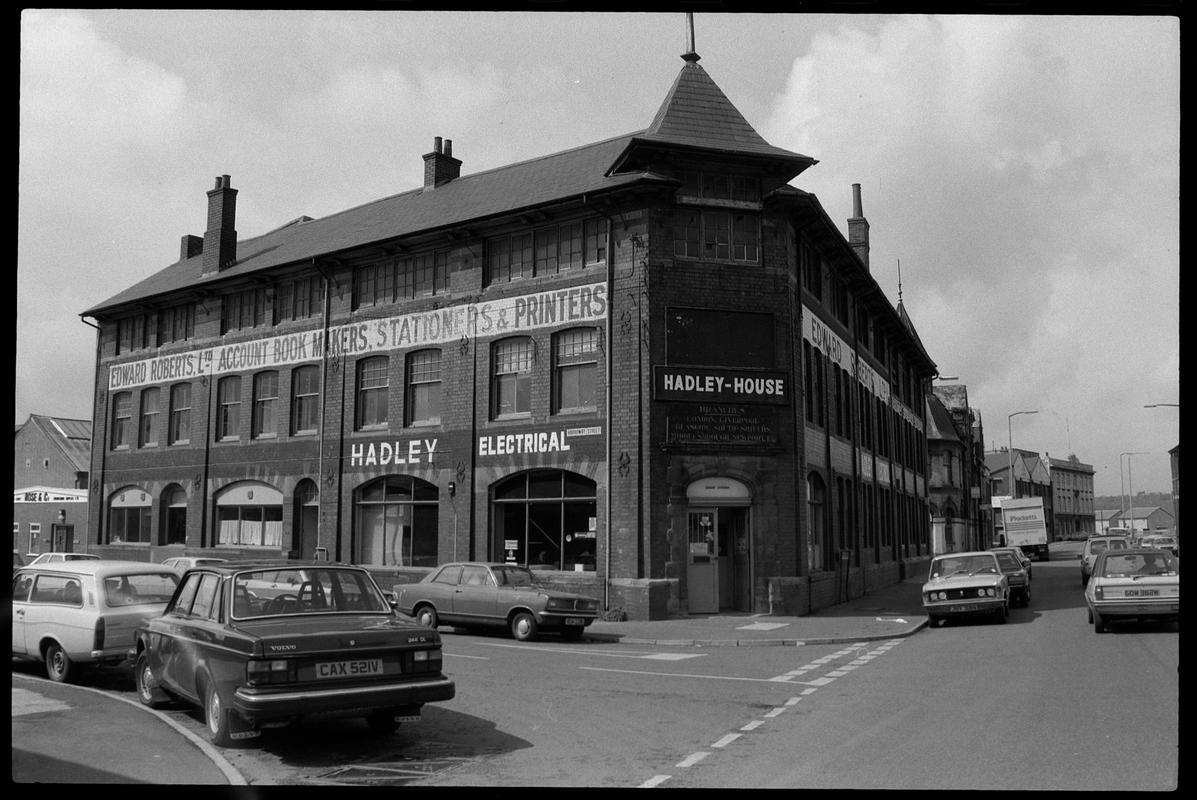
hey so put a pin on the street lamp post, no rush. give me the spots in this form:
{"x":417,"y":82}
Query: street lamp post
{"x":1010,"y":450}
{"x":1125,"y":502}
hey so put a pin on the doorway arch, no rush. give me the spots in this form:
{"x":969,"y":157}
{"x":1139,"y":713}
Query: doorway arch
{"x":719,"y":545}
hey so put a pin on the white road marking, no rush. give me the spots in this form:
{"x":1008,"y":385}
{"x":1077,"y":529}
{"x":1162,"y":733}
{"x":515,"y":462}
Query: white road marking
{"x":763,"y":626}
{"x":27,"y":702}
{"x":462,"y":655}
{"x":793,"y":701}
{"x":593,"y":653}
{"x":693,"y":759}
{"x":774,"y":712}
{"x":679,"y":675}
{"x":655,"y":780}
{"x":726,"y":740}
{"x":752,"y":726}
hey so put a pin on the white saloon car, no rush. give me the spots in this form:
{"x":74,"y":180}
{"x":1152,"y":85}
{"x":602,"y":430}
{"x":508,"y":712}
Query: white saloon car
{"x":1139,"y":583}
{"x":74,"y":613}
{"x":966,"y":584}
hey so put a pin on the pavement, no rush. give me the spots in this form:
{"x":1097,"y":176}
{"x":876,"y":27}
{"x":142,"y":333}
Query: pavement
{"x":71,"y":733}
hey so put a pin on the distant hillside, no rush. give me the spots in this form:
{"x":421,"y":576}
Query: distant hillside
{"x":1141,"y":500}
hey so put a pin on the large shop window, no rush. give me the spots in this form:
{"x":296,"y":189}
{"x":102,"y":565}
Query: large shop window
{"x":545,"y":518}
{"x":249,"y":513}
{"x":129,"y":516}
{"x":398,"y":522}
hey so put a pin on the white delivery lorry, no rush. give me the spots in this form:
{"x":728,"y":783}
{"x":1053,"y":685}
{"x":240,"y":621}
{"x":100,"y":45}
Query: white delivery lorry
{"x":1025,"y":526}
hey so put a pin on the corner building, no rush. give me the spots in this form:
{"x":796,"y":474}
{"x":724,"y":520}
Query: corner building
{"x":647,"y":366}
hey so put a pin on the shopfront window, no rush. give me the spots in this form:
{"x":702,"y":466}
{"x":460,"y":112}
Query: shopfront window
{"x":398,"y":522}
{"x":129,"y":516}
{"x":545,"y":518}
{"x":249,"y":514}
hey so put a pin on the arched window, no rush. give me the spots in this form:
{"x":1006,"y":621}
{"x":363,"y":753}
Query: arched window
{"x":173,"y":519}
{"x":398,"y":522}
{"x":129,"y":516}
{"x":545,"y":517}
{"x":816,"y":502}
{"x":251,"y":514}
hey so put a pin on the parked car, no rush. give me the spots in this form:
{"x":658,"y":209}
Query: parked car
{"x":966,"y":584}
{"x":1022,"y":557}
{"x":18,"y":560}
{"x":334,"y":646}
{"x":1161,"y":541}
{"x":1095,"y":546}
{"x":483,"y":594}
{"x":1135,"y":583}
{"x":181,"y":564}
{"x":82,"y":612}
{"x":58,"y":558}
{"x":1018,"y":576}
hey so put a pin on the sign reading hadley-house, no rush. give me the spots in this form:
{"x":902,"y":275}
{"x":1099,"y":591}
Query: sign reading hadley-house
{"x":704,"y":385}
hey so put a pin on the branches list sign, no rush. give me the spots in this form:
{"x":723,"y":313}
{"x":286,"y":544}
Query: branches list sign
{"x":721,"y":424}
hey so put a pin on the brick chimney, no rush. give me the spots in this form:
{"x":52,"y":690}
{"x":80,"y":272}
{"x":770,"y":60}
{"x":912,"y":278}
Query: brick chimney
{"x":858,"y":227}
{"x":190,"y":246}
{"x":440,"y":166}
{"x":220,"y":240}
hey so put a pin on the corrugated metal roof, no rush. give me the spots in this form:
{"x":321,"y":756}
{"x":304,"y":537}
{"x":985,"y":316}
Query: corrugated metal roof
{"x":73,"y":437}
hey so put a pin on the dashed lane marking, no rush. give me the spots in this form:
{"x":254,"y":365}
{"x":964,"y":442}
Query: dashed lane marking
{"x":693,"y":758}
{"x":655,"y":780}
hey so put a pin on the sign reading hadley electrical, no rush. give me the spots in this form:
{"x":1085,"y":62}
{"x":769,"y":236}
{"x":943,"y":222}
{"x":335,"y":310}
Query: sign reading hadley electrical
{"x":699,"y":384}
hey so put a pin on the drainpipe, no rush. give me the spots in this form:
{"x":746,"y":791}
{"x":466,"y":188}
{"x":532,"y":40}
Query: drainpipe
{"x":323,"y":399}
{"x":607,"y":424}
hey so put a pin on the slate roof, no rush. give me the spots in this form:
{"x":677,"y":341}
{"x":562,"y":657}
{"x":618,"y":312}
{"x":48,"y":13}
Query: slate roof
{"x":503,"y":190}
{"x":939,"y":421}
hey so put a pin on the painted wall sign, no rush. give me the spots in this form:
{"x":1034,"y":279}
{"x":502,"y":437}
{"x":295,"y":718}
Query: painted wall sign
{"x":44,"y":494}
{"x":385,"y":454}
{"x":721,"y":424}
{"x":835,"y":348}
{"x":576,"y":305}
{"x":720,"y":385}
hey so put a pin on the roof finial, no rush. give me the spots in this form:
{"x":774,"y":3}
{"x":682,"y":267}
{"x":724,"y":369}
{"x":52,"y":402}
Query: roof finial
{"x":690,"y":56}
{"x":899,"y":281}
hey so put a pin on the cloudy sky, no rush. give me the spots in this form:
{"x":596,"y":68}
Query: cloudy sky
{"x":1023,"y":170}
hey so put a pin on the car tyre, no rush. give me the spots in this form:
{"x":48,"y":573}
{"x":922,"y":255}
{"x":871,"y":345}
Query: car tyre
{"x":1090,"y":616}
{"x":1099,"y":624}
{"x":147,"y":689}
{"x":1026,"y":597}
{"x":523,"y":626}
{"x":426,"y":616}
{"x":59,"y":667}
{"x":216,"y":717}
{"x":382,"y":723}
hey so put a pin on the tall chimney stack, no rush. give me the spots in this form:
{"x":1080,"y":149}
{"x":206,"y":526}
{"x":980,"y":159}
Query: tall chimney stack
{"x":220,"y":240}
{"x":440,"y":166}
{"x":858,"y":227}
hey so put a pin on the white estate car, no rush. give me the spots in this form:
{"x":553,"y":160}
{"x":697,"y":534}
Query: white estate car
{"x":181,"y":564}
{"x":58,"y":558}
{"x":966,"y":584}
{"x":83,"y":612}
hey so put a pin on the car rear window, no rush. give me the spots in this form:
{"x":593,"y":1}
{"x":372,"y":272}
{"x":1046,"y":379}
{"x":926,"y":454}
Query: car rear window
{"x":139,"y":589}
{"x":305,"y":591}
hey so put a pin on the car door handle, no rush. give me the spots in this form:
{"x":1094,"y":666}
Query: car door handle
{"x":20,"y":612}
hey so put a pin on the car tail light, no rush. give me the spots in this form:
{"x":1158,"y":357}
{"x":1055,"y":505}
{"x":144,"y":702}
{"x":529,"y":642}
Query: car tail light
{"x":1098,"y":593}
{"x":426,"y":661}
{"x":98,"y":641}
{"x":259,"y":672}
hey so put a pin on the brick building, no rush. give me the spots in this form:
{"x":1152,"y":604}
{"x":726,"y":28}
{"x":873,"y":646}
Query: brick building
{"x":647,"y":366}
{"x":961,"y":512}
{"x":50,"y":463}
{"x":1072,"y":498}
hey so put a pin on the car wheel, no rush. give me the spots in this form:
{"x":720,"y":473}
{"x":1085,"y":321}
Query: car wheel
{"x":426,"y":616}
{"x":1090,"y":616}
{"x":382,"y":723}
{"x":147,"y":688}
{"x":523,"y":626}
{"x":934,"y":621}
{"x":216,"y":716}
{"x":1026,"y":597}
{"x":1099,"y":624}
{"x":58,"y":664}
